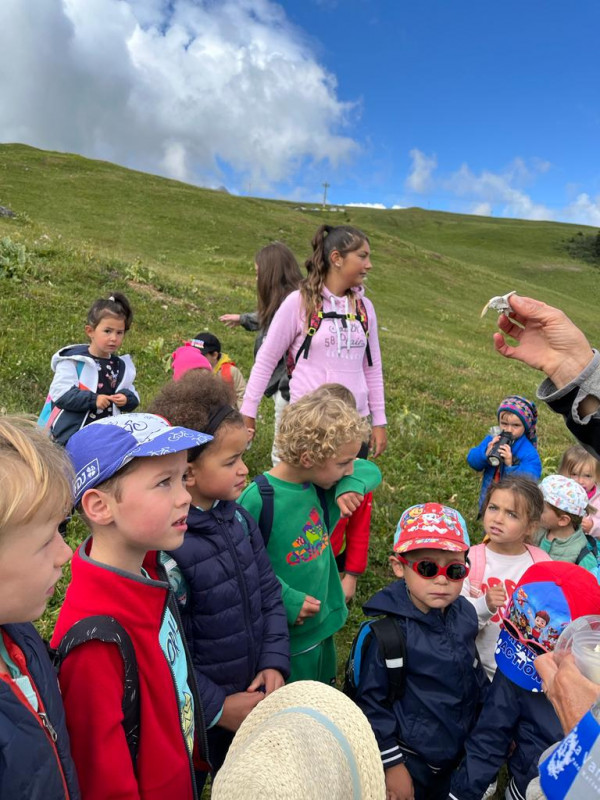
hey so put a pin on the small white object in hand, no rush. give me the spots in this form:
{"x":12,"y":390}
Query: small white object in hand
{"x":499,"y":304}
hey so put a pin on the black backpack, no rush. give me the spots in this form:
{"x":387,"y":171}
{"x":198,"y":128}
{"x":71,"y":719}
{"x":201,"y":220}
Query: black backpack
{"x":265,"y":521}
{"x":106,"y":629}
{"x":390,"y":641}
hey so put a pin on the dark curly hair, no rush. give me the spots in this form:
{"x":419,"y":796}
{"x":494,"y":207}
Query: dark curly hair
{"x":192,"y":400}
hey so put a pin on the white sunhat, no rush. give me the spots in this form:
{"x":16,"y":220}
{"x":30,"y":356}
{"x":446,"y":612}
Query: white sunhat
{"x":305,"y":741}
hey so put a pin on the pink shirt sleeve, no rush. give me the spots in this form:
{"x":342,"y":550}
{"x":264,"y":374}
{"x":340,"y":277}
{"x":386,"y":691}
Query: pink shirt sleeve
{"x":285,"y":328}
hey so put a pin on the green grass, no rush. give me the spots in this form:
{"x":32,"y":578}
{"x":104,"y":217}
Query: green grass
{"x":185,"y":255}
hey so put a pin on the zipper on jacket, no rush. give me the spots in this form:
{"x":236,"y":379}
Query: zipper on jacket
{"x":244,"y":593}
{"x":48,"y":725}
{"x":42,"y":720}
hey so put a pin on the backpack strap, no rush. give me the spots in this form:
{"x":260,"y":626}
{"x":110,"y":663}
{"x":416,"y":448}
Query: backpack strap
{"x":477,"y":561}
{"x":363,"y":318}
{"x":322,"y":495}
{"x":106,"y":629}
{"x":319,"y":315}
{"x":265,"y":521}
{"x":390,"y":641}
{"x":589,"y":547}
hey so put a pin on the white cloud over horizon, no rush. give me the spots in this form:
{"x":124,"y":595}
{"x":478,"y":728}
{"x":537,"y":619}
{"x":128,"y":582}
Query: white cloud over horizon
{"x":188,"y":89}
{"x":501,"y":193}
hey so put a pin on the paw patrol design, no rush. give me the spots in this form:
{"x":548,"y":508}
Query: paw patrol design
{"x":539,"y":612}
{"x":431,"y":526}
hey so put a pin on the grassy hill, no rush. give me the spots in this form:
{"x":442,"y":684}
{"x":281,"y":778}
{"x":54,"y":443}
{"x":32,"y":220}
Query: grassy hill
{"x":184,"y":256}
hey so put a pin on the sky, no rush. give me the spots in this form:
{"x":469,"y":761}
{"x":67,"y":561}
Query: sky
{"x":471,"y":106}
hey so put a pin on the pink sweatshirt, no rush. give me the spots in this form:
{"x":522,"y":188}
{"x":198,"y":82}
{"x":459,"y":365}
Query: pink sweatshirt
{"x":337,"y":355}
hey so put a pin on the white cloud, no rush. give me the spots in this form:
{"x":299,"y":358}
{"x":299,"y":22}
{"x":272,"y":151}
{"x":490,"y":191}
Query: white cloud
{"x":482,"y":210}
{"x":498,"y":189}
{"x":420,"y":178}
{"x":365,"y":205}
{"x":583,"y":210}
{"x":396,"y":207}
{"x":179,"y":87}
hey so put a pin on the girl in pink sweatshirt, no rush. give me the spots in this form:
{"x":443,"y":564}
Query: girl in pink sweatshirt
{"x":328,"y":330}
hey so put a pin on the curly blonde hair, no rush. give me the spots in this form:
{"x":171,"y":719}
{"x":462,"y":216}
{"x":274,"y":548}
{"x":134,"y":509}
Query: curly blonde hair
{"x":318,"y":425}
{"x":35,"y":474}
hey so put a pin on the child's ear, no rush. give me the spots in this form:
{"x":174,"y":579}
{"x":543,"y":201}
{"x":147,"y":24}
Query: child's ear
{"x":564,"y":520}
{"x":88,"y":330}
{"x":305,"y":461}
{"x":97,"y":506}
{"x":190,"y":475}
{"x":397,"y":566}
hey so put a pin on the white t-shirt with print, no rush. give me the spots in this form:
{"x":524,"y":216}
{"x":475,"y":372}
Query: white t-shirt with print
{"x":499,"y":568}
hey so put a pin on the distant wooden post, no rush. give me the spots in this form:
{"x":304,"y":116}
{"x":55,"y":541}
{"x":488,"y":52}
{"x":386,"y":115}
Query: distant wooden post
{"x":325,"y":187}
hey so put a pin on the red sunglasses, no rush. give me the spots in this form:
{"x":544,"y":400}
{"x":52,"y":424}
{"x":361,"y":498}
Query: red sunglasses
{"x":516,"y":633}
{"x":457,"y":571}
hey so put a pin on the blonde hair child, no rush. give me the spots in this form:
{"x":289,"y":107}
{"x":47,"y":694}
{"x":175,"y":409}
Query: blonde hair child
{"x":317,"y":480}
{"x":583,"y":467}
{"x":35,"y":497}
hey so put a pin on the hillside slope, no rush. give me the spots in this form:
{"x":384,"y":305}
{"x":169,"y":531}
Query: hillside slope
{"x":184,"y":255}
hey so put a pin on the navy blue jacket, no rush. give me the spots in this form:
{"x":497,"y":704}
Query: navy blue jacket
{"x":510,"y":714}
{"x":444,"y":681}
{"x":233,"y":616}
{"x":30,"y":763}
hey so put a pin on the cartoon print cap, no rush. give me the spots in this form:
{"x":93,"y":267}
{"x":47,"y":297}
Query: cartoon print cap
{"x":565,"y":494}
{"x":548,"y":597}
{"x":100,"y":449}
{"x":525,"y":410}
{"x":431,"y":526}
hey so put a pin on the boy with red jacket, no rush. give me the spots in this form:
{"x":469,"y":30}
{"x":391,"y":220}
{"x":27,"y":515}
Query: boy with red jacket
{"x":129,"y":486}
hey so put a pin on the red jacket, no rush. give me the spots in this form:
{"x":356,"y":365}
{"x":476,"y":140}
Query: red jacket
{"x":91,"y":680}
{"x":351,"y":535}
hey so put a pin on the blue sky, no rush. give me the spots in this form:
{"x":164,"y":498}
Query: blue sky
{"x":507,"y":88}
{"x":470,"y":106}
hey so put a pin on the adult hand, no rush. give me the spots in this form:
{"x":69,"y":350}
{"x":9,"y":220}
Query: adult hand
{"x":398,"y":784}
{"x":119,"y":399}
{"x":310,"y":607}
{"x":237,"y":707}
{"x":103,"y":401}
{"x":348,"y":503}
{"x":378,"y":440}
{"x":547,"y":340}
{"x":231,"y":320}
{"x":570,"y":692}
{"x":495,"y":596}
{"x":269,"y":679}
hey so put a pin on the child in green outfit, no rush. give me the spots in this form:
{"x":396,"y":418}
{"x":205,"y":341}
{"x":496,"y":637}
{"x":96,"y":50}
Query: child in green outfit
{"x":317,"y":480}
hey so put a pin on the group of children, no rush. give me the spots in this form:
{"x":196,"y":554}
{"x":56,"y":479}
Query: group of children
{"x":196,"y":595}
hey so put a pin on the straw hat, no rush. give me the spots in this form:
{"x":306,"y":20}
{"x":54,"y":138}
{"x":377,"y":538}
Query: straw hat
{"x":305,"y":741}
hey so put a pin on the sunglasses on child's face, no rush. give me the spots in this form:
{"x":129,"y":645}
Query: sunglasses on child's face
{"x":62,"y":526}
{"x":532,"y":644}
{"x":457,"y":571}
